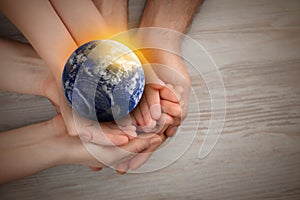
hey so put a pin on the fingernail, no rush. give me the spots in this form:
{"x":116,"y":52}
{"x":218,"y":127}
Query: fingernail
{"x":155,"y":141}
{"x":155,"y":111}
{"x":120,"y":172}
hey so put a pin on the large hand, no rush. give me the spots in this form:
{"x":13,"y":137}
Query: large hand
{"x":172,"y":70}
{"x":156,"y":113}
{"x":169,"y":69}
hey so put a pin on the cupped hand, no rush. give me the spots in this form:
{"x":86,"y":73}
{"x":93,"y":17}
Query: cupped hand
{"x":158,"y":112}
{"x":173,"y":95}
{"x":64,"y":34}
{"x":99,"y":156}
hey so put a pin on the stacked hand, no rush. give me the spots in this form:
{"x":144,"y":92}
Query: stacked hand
{"x":26,"y":66}
{"x":165,"y":99}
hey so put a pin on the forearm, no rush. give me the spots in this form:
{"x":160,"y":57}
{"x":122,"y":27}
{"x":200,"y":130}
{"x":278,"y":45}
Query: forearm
{"x":171,"y":14}
{"x":46,"y":33}
{"x":168,"y":20}
{"x":115,"y":14}
{"x":22,"y":70}
{"x":28,"y":150}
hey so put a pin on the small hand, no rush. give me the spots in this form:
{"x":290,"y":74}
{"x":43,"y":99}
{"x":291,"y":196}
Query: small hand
{"x":99,"y":156}
{"x":92,"y":131}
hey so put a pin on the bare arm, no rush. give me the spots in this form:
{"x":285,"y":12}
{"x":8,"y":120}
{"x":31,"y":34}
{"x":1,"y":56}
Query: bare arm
{"x":55,"y":31}
{"x":160,"y":44}
{"x":115,"y":14}
{"x":43,"y":28}
{"x":23,"y":71}
{"x":34,"y":148}
{"x":174,"y":16}
{"x":31,"y":149}
{"x":171,"y":14}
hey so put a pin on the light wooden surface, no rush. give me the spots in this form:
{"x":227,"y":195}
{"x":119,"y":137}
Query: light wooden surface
{"x":256,"y":45}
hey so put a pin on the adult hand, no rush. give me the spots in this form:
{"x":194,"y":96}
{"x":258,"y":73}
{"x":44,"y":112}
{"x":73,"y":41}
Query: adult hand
{"x":162,"y":45}
{"x":171,"y":97}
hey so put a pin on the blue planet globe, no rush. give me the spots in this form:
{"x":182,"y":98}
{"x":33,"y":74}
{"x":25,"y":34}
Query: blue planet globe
{"x":103,"y":80}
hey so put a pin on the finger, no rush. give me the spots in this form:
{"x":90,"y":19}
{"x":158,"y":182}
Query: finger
{"x":140,"y":159}
{"x":123,"y":167}
{"x":114,"y":125}
{"x":129,"y":130}
{"x":131,"y":133}
{"x":165,"y":121}
{"x":150,"y":76}
{"x":168,"y":93}
{"x":177,"y":121}
{"x":171,"y":108}
{"x":149,"y":123}
{"x":135,"y":146}
{"x":138,"y":116}
{"x":182,"y":104}
{"x":106,"y":136}
{"x":83,"y":20}
{"x":153,"y":100}
{"x":171,"y":131}
{"x":103,"y":134}
{"x":134,"y":122}
{"x":95,"y":169}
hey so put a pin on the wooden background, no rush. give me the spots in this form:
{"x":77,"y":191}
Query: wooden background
{"x":256,"y":45}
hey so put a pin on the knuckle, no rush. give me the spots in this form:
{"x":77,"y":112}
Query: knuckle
{"x":139,"y":146}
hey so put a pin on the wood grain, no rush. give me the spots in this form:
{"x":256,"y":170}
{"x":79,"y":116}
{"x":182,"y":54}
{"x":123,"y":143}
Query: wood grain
{"x":256,"y":45}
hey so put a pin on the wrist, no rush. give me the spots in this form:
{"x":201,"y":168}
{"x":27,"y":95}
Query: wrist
{"x":69,"y":149}
{"x":158,"y":38}
{"x":63,"y":146}
{"x":57,"y":143}
{"x":162,"y":17}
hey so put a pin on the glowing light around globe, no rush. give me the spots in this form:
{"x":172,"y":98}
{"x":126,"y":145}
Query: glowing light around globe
{"x":103,"y":80}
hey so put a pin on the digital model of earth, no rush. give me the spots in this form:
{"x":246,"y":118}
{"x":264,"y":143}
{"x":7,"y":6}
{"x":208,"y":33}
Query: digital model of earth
{"x":103,"y":80}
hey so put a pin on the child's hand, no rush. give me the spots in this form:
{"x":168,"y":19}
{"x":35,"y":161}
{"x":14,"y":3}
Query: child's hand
{"x":78,"y":152}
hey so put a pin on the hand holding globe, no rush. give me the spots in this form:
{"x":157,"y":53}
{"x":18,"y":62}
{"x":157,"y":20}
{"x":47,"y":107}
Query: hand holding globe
{"x":63,"y":33}
{"x":103,"y":80}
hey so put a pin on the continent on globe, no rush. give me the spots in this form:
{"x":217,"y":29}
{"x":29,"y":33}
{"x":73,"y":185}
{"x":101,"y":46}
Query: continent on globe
{"x":103,"y":80}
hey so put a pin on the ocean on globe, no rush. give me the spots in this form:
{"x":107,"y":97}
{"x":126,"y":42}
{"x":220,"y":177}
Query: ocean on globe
{"x":103,"y":80}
